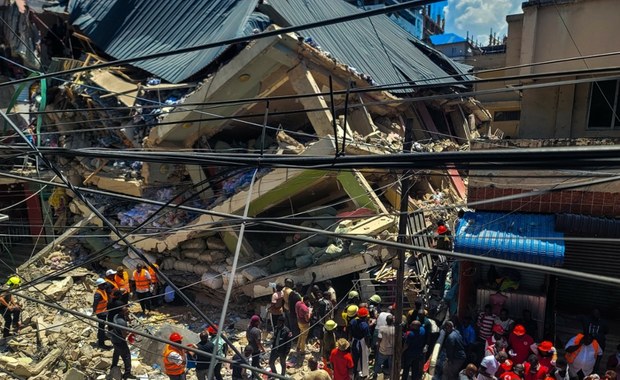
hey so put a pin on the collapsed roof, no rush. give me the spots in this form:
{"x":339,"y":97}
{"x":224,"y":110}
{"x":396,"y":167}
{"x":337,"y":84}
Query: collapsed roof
{"x":375,"y":46}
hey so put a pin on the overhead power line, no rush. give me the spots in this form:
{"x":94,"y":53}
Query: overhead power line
{"x":237,"y":40}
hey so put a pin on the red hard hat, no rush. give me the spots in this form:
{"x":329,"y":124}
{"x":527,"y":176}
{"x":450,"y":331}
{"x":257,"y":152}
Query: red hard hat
{"x":442,"y":230}
{"x":175,"y":337}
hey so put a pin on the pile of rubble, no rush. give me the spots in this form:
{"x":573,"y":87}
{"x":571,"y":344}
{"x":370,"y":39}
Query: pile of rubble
{"x":56,"y":345}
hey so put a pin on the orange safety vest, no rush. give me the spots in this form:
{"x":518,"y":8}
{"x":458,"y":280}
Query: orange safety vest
{"x":142,"y":283}
{"x":570,"y":356}
{"x":122,"y":282}
{"x":170,"y":367}
{"x":111,"y":282}
{"x":153,"y":274}
{"x":102,"y":306}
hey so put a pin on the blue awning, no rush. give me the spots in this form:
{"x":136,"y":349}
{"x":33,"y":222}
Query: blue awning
{"x":527,"y":238}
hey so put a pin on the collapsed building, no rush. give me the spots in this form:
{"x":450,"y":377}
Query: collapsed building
{"x":343,"y":89}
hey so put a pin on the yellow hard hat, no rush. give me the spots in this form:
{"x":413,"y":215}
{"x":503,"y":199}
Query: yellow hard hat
{"x":375,"y":298}
{"x":14,"y":281}
{"x":352,"y":311}
{"x":330,"y":325}
{"x":353,"y":294}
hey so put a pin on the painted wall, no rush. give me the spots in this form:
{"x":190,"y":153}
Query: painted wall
{"x":551,"y":32}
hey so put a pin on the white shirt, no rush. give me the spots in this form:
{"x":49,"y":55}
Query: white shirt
{"x":176,"y":358}
{"x":585,"y":359}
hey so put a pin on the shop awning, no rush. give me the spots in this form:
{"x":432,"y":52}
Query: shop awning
{"x":527,"y":238}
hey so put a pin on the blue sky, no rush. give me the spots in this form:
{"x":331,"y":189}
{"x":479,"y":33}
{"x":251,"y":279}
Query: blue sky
{"x":478,"y":17}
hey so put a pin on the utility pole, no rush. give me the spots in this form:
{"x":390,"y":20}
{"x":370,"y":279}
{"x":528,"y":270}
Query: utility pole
{"x":399,"y":263}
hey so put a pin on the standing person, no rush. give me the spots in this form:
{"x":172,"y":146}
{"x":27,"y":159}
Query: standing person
{"x":121,"y":279}
{"x":547,"y":354}
{"x":596,"y":327}
{"x":485,"y":323}
{"x":381,"y":321}
{"x":175,"y":359}
{"x":315,"y":373}
{"x":562,"y":371}
{"x":9,"y":308}
{"x":469,"y":373}
{"x":329,"y":339}
{"x":302,"y":309}
{"x":519,"y":342}
{"x":142,"y":284}
{"x":293,"y":298}
{"x":341,"y":361}
{"x":109,"y":278}
{"x":254,"y":334}
{"x":385,"y":351}
{"x":359,"y":330}
{"x":504,"y":320}
{"x":276,"y":308}
{"x":221,"y":349}
{"x":286,"y":292}
{"x":115,"y":304}
{"x":455,"y":352}
{"x":100,"y":309}
{"x":332,"y":293}
{"x":203,"y":361}
{"x":280,"y":345}
{"x":582,"y":352}
{"x":238,"y":372}
{"x":322,"y":313}
{"x":534,"y":370}
{"x":497,"y":342}
{"x":488,"y":368}
{"x":413,"y":351}
{"x":119,"y":342}
{"x":155,"y":284}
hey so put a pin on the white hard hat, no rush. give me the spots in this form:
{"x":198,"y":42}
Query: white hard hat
{"x":99,"y":281}
{"x":110,"y":272}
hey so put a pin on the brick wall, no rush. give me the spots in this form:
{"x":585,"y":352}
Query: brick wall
{"x":576,"y":202}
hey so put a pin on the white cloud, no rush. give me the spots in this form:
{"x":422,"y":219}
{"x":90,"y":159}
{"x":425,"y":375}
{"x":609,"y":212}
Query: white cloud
{"x":478,"y":17}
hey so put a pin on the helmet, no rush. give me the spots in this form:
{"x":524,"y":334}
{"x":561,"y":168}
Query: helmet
{"x":442,"y":230}
{"x":375,"y":298}
{"x":99,"y":281}
{"x":14,"y":281}
{"x":353,"y":294}
{"x":362,"y":312}
{"x":175,"y":337}
{"x":330,"y":325}
{"x":352,"y":311}
{"x":110,"y":272}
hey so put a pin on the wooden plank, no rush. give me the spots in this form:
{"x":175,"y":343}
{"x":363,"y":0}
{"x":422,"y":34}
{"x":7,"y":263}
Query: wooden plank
{"x":126,"y":92}
{"x":427,"y":120}
{"x":303,"y":82}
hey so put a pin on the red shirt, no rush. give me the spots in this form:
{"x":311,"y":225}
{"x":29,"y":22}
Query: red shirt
{"x":341,"y":362}
{"x":538,"y":375}
{"x":303,"y":312}
{"x":520,"y":346}
{"x":509,"y":376}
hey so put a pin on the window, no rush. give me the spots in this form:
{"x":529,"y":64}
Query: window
{"x":604,"y":105}
{"x":506,"y":115}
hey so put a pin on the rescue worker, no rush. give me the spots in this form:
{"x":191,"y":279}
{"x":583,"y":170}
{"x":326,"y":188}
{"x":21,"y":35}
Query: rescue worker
{"x":222,"y":350}
{"x":142,"y":284}
{"x":109,"y":278}
{"x":121,"y":279}
{"x":175,"y":359}
{"x":155,"y":284}
{"x":9,"y":308}
{"x":100,"y":309}
{"x":347,"y":315}
{"x":359,"y":331}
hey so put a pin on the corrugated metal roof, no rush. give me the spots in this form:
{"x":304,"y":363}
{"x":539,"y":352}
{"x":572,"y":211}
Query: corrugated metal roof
{"x":585,"y":225}
{"x":446,"y":38}
{"x":356,"y":43}
{"x":125,"y":29}
{"x":517,"y":237}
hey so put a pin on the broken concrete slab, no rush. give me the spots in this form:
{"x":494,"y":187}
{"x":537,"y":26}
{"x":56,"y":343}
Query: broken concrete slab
{"x":58,"y":289}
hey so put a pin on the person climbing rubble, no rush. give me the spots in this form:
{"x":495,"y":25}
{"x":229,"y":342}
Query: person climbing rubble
{"x":9,"y":308}
{"x":100,"y":309}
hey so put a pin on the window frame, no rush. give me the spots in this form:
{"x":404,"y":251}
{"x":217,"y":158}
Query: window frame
{"x":615,"y":111}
